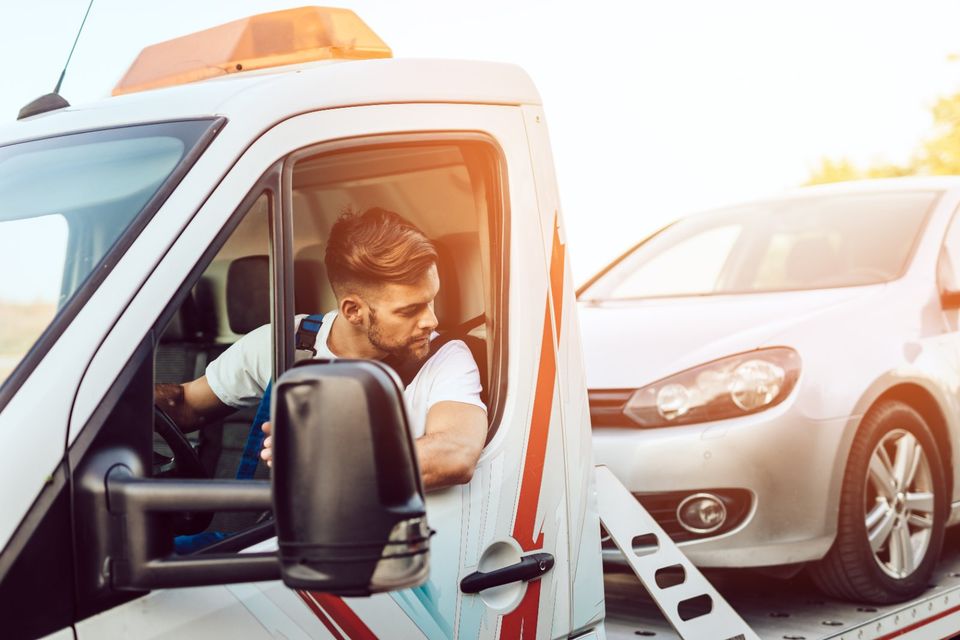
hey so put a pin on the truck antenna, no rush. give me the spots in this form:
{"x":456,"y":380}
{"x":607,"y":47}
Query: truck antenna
{"x":70,"y":56}
{"x":54,"y":101}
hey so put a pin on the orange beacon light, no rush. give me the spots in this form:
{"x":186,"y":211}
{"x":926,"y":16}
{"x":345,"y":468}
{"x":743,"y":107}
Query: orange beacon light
{"x":262,"y":41}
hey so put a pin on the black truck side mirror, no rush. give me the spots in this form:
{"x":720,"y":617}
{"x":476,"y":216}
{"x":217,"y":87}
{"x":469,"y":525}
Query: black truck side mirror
{"x":347,"y":494}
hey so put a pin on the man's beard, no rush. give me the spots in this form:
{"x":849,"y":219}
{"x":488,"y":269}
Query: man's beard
{"x":411,"y":350}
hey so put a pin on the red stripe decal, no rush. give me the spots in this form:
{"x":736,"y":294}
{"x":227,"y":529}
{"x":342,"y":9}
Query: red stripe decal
{"x":922,"y":623}
{"x":525,"y":522}
{"x":530,"y":484}
{"x":344,"y":616}
{"x":317,"y":611}
{"x":556,"y":276}
{"x":522,"y":621}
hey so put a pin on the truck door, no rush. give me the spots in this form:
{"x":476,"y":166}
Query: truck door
{"x":464,"y":175}
{"x":586,"y":567}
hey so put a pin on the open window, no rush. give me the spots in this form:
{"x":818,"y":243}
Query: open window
{"x":449,"y":186}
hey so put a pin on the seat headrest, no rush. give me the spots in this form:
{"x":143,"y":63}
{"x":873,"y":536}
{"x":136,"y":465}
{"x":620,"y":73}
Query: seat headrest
{"x":248,"y":293}
{"x":183,"y":325}
{"x":461,"y":286}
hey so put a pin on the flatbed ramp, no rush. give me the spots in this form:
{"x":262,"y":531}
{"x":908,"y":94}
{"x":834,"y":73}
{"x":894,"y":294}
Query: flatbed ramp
{"x":771,"y":608}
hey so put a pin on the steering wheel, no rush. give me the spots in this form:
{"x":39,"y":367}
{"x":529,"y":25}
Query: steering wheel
{"x":185,"y":463}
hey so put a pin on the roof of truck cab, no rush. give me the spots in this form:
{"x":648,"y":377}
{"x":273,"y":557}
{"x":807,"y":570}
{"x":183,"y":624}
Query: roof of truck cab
{"x":273,"y":95}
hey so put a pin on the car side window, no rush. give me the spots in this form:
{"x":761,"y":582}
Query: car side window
{"x":948,"y":267}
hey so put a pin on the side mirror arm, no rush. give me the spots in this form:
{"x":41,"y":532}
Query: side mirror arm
{"x":140,"y":549}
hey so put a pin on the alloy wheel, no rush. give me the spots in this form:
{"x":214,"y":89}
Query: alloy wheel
{"x":898,"y":503}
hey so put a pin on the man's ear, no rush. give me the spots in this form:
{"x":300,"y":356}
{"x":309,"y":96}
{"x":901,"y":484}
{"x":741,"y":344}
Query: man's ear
{"x":353,"y":308}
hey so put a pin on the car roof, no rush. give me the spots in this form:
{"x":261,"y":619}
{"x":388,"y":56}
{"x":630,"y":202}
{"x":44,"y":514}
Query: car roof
{"x":905,"y":183}
{"x":273,"y":95}
{"x":849,"y":187}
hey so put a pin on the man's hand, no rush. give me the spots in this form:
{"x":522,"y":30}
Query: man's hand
{"x":192,"y":404}
{"x":266,"y":453}
{"x":447,"y":452}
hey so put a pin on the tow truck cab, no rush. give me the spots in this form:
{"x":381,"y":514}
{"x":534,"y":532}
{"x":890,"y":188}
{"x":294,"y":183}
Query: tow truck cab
{"x":168,"y":223}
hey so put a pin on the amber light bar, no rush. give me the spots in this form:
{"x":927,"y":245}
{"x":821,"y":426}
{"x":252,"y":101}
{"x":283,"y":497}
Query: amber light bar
{"x":262,"y":41}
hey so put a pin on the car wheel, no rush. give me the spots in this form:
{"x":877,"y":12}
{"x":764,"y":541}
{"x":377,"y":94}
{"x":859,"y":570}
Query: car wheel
{"x":893,"y":510}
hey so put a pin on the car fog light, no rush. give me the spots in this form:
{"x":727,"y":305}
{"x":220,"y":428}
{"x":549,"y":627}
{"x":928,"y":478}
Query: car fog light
{"x":755,"y":384}
{"x":673,"y":401}
{"x":701,"y":513}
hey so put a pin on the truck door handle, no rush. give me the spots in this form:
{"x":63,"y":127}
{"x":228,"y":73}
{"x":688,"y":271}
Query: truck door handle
{"x":529,"y":568}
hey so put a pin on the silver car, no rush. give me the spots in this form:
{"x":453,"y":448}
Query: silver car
{"x":779,"y":382}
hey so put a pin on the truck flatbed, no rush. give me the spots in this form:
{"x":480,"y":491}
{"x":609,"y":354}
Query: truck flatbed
{"x":795,"y":610}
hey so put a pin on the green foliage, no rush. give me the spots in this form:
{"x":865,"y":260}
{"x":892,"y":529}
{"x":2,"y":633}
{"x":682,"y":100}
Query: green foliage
{"x":941,"y":153}
{"x":938,"y":155}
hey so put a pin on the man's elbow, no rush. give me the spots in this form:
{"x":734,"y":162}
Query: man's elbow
{"x":462,"y":468}
{"x":464,"y":474}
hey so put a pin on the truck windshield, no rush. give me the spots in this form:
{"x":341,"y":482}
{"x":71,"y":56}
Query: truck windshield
{"x":781,"y":245}
{"x":64,"y":203}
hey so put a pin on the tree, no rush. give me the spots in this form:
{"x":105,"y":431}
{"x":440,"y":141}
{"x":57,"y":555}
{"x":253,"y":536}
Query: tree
{"x":941,"y":153}
{"x":937,"y":155}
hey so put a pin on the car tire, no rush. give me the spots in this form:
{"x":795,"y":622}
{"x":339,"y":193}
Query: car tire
{"x":905,"y":522}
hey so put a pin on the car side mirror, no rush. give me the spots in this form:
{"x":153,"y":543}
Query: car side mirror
{"x":348,"y":499}
{"x":949,"y":299}
{"x":946,"y":282}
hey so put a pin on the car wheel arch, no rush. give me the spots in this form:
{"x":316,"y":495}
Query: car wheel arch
{"x":923,"y":402}
{"x":916,"y":396}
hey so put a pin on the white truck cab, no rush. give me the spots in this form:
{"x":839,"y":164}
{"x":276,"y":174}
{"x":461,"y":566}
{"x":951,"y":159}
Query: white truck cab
{"x":178,"y":219}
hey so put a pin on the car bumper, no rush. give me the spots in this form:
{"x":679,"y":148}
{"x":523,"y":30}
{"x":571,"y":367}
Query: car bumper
{"x":791,"y":464}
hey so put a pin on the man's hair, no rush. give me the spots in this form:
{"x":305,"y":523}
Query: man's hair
{"x":376,"y":247}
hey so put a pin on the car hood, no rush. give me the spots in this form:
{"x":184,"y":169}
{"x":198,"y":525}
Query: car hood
{"x":629,"y":344}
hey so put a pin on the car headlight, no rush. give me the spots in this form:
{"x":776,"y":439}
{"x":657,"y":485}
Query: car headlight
{"x":734,"y":386}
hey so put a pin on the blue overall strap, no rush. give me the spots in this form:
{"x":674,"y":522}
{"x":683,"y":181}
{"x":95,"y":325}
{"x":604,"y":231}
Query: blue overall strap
{"x":251,"y":450}
{"x":306,"y":339}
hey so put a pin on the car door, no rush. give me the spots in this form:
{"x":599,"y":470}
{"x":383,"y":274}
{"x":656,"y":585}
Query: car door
{"x":516,"y":503}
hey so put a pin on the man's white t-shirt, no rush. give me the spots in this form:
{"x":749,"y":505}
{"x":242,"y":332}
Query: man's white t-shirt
{"x":241,"y":373}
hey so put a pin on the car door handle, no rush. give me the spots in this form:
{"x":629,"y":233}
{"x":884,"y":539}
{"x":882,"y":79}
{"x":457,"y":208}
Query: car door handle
{"x":529,"y":568}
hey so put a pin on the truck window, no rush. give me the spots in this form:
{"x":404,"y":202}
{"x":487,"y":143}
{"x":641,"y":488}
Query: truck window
{"x":65,"y":205}
{"x":229,"y":300}
{"x":27,"y":305}
{"x":449,"y":188}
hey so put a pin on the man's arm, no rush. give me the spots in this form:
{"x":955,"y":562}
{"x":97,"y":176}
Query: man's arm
{"x":451,"y":444}
{"x":191,"y":404}
{"x":447,"y":452}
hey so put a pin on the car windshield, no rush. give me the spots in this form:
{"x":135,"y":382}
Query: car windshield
{"x":64,"y":203}
{"x":791,"y":244}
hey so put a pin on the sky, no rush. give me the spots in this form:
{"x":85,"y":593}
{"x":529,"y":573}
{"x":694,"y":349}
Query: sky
{"x":655,"y":109}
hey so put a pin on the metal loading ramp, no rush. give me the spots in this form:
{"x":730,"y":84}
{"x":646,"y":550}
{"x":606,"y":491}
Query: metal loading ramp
{"x":686,"y":599}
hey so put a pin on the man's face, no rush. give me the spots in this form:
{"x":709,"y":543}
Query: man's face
{"x":401,"y":317}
